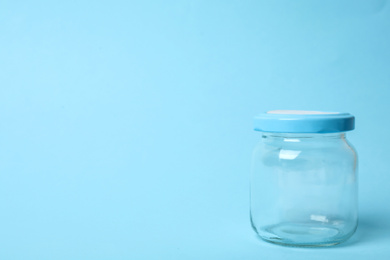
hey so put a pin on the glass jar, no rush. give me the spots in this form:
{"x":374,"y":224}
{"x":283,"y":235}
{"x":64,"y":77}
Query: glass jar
{"x":304,"y":178}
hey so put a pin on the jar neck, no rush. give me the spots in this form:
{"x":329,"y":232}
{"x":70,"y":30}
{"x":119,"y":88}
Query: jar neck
{"x":304,"y":137}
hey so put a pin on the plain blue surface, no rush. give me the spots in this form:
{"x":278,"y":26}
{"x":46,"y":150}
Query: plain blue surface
{"x":126,"y":126}
{"x":283,"y":122}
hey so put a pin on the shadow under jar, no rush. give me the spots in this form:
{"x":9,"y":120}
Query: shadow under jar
{"x":304,"y":178}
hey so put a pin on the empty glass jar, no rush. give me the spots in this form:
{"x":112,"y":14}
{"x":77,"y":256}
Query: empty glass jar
{"x":304,"y":178}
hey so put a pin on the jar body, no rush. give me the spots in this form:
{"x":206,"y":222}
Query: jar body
{"x":304,"y":189}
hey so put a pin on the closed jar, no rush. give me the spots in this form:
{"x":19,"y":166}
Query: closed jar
{"x":304,"y":178}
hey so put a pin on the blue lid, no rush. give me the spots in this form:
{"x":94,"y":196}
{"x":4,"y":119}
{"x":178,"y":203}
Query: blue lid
{"x":299,"y":121}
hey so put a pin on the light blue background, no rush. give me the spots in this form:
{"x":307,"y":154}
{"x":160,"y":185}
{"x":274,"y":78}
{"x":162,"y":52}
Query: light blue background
{"x":126,"y":126}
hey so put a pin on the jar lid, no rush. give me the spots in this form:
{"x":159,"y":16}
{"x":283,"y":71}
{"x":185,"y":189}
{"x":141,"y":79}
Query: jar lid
{"x":300,"y":121}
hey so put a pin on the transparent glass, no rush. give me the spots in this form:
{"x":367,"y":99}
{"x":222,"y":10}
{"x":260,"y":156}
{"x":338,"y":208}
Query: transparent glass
{"x":304,"y":189}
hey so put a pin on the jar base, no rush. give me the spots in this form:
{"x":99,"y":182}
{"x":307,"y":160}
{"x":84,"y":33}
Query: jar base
{"x":304,"y":235}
